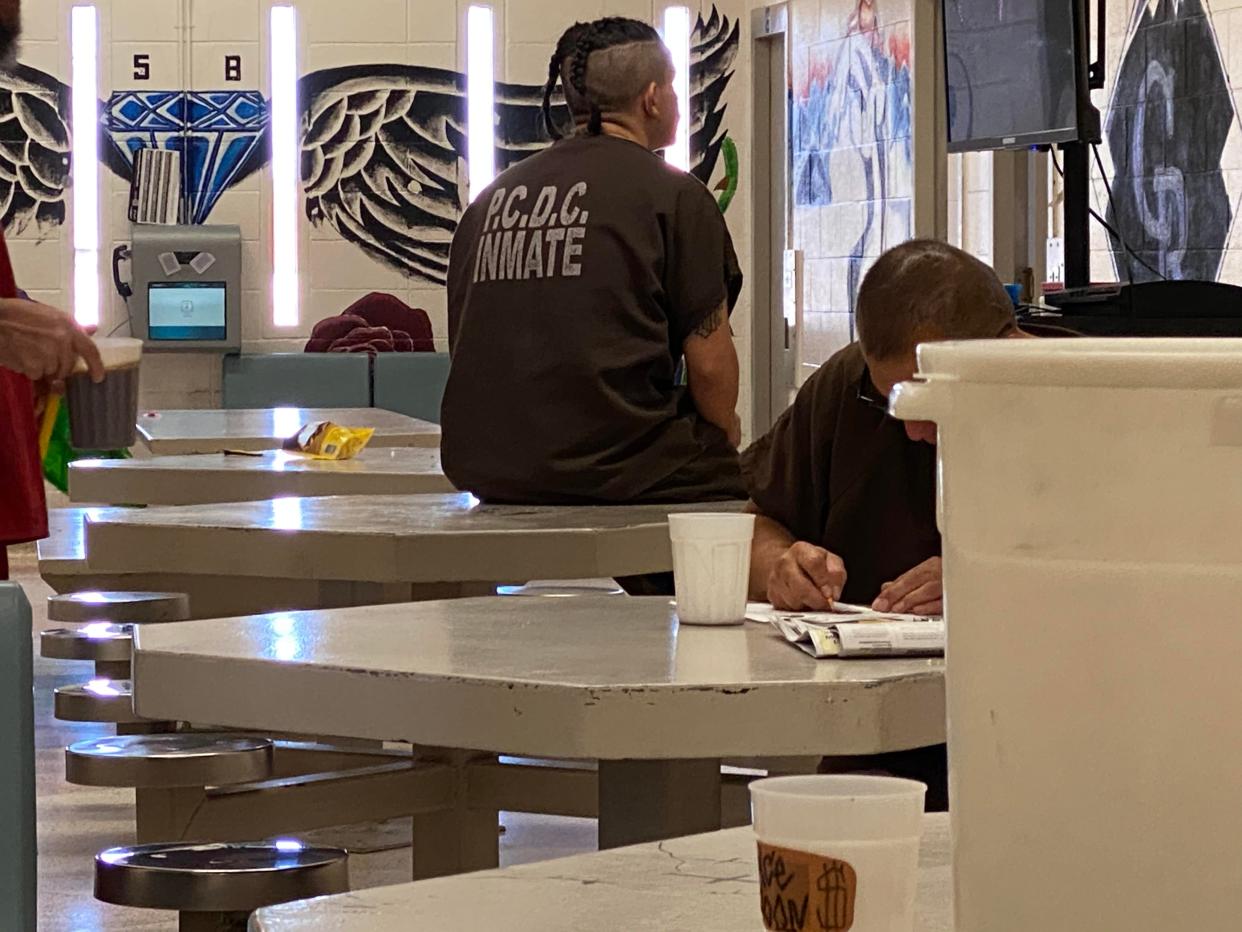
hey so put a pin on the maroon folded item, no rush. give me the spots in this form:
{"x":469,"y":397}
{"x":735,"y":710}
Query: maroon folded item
{"x":365,"y":340}
{"x":332,"y":328}
{"x":357,"y":328}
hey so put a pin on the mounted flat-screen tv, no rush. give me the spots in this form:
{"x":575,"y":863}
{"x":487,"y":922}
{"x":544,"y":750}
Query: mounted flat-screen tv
{"x":1016,"y":73}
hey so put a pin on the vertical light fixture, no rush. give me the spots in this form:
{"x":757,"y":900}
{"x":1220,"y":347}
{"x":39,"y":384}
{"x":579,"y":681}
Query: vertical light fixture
{"x":286,"y":283}
{"x":84,"y":163}
{"x":677,"y":39}
{"x":481,"y":96}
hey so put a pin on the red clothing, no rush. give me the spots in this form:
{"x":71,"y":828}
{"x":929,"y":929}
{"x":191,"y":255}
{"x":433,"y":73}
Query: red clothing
{"x":23,"y":509}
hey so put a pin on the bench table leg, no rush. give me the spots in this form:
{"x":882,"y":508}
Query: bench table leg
{"x":650,"y":800}
{"x":459,"y":838}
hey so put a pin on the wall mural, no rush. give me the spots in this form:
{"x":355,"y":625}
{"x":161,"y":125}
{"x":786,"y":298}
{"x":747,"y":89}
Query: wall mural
{"x":34,"y":149}
{"x":851,"y":112}
{"x":383,"y":148}
{"x":220,"y":135}
{"x":383,"y":156}
{"x":1169,"y":118}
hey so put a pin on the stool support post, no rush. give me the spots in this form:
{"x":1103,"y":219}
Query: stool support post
{"x":112,"y":669}
{"x":212,"y":922}
{"x":163,"y":814}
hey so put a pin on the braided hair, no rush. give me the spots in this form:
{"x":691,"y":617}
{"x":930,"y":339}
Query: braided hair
{"x":568,"y":64}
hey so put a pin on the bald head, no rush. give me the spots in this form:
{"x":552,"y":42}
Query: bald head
{"x":926,"y":290}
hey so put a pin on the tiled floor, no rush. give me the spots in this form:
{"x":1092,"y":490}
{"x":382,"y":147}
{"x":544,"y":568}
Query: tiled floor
{"x":75,"y":822}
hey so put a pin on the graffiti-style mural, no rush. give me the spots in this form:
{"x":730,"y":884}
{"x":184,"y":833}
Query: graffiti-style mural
{"x":850,"y":123}
{"x":1169,"y":118}
{"x":857,"y":96}
{"x":383,"y":151}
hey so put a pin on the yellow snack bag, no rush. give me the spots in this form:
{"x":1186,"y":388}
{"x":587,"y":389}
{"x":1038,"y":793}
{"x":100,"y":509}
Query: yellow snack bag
{"x":323,"y":440}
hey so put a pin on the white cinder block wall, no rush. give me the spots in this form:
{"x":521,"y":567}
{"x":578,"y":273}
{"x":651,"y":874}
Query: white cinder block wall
{"x":854,"y":198}
{"x":184,"y":45}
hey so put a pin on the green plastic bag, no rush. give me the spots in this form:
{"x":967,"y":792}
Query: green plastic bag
{"x":60,"y":452}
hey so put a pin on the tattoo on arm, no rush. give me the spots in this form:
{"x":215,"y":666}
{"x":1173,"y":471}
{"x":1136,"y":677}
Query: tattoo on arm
{"x":711,"y":323}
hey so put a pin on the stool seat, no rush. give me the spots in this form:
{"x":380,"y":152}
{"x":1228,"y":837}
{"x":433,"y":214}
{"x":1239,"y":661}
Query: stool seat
{"x":561,"y":588}
{"x":190,"y":759}
{"x":218,"y":878}
{"x":99,"y":700}
{"x":137,"y":607}
{"x":100,"y":641}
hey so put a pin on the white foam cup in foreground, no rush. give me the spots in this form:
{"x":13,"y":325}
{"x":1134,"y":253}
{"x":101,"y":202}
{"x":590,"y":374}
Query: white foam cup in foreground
{"x":711,"y":566}
{"x":838,"y":852}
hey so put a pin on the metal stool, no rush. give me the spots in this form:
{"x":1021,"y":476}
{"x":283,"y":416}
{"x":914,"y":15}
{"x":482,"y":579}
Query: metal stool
{"x":109,"y":645}
{"x":217,"y":886}
{"x":100,"y":700}
{"x":136,"y":607}
{"x":191,"y":759}
{"x":562,"y":588}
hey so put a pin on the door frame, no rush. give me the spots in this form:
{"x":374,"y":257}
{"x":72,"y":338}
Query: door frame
{"x":769,"y":200}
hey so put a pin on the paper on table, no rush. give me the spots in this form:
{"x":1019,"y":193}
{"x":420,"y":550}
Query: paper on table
{"x":924,"y":638}
{"x":842,"y":613}
{"x":854,"y":631}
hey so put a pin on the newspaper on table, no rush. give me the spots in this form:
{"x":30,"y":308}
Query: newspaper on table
{"x":854,"y":631}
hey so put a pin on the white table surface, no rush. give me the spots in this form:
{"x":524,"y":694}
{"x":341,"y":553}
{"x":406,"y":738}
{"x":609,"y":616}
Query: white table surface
{"x":704,"y":883}
{"x":387,"y":539}
{"x":590,"y":677}
{"x":218,"y":477}
{"x":173,"y":432}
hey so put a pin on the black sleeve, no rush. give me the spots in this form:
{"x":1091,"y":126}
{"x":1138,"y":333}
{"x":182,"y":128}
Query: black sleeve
{"x":701,"y":270}
{"x":787,"y":470}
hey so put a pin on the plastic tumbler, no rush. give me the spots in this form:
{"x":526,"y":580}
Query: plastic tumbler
{"x":711,"y":566}
{"x":838,"y":853}
{"x":105,"y":416}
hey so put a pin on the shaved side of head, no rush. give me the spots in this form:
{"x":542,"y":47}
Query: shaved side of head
{"x":617,"y":76}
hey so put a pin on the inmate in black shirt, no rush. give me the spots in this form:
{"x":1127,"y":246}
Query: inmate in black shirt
{"x":574,"y":280}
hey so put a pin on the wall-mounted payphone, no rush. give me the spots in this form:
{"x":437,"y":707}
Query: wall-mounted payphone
{"x":185,"y":287}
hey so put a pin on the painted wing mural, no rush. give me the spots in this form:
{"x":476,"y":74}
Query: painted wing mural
{"x":34,"y":149}
{"x":384,"y":146}
{"x":383,"y":152}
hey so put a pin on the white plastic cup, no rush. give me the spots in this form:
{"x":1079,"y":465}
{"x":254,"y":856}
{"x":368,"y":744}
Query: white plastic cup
{"x":711,"y":566}
{"x":844,"y":848}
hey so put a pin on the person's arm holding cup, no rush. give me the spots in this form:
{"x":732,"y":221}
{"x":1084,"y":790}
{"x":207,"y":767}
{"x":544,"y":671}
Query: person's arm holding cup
{"x":43,"y":343}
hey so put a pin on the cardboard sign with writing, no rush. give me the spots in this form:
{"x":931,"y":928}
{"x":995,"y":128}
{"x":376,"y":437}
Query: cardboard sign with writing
{"x":802,"y":892}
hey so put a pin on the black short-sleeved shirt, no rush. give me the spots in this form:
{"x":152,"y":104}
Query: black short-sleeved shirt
{"x":841,"y":474}
{"x":574,"y":280}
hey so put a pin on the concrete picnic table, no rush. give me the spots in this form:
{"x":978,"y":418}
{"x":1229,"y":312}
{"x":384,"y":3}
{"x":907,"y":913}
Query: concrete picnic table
{"x":173,"y":432}
{"x":701,"y":882}
{"x":222,"y":477}
{"x":358,"y":550}
{"x":608,"y":679}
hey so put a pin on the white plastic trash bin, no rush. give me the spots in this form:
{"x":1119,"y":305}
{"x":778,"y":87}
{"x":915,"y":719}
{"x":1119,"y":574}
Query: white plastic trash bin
{"x":1090,"y":499}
